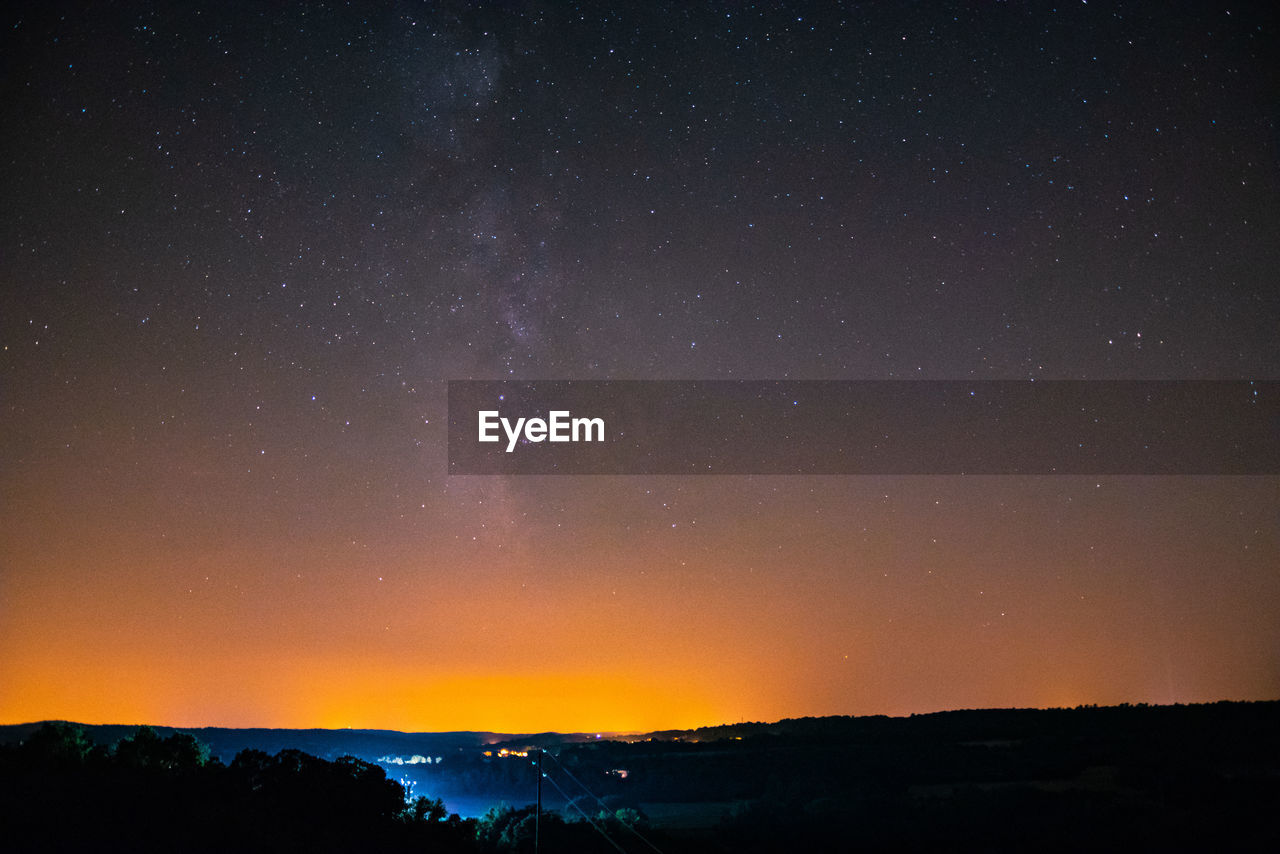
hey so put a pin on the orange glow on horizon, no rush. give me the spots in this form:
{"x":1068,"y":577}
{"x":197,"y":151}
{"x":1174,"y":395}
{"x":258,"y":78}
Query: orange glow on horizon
{"x":785,"y":616}
{"x":246,"y":269}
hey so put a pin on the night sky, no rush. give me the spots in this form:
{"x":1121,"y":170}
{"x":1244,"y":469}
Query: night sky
{"x":243,"y":248}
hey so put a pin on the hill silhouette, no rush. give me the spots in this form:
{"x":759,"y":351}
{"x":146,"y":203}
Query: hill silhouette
{"x":1111,"y":778}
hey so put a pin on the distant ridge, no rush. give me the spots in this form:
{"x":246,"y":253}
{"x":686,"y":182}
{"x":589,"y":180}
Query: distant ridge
{"x":226,"y":742}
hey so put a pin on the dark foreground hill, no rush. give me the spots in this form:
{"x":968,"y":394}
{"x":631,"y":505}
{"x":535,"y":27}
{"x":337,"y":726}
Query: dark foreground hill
{"x":1130,"y":777}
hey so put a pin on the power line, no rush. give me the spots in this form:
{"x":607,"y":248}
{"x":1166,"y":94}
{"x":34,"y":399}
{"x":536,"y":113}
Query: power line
{"x":640,"y":835}
{"x":591,"y":822}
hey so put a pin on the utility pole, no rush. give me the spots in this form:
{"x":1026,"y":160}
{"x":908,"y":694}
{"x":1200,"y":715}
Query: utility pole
{"x":537,"y":816}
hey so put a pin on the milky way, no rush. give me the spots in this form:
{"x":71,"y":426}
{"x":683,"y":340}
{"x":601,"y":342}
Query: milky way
{"x":244,"y":247}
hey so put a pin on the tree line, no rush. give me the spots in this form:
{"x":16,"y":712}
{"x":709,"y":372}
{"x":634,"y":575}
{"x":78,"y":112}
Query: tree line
{"x":61,"y":792}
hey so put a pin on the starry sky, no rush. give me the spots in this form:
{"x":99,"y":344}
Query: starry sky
{"x":244,"y":247}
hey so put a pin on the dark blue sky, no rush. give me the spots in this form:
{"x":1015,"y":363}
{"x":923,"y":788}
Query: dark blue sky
{"x":244,"y":245}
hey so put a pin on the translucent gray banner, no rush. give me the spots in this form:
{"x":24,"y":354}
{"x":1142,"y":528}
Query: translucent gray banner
{"x":864,"y":427}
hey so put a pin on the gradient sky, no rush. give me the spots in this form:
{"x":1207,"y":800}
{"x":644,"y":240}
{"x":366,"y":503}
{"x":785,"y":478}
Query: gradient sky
{"x":243,"y":247}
